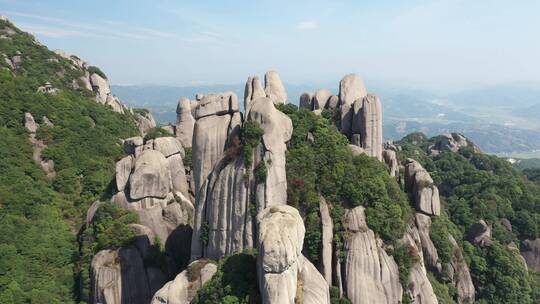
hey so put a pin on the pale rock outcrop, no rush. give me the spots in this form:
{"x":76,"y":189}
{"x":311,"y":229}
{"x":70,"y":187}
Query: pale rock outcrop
{"x":47,"y":122}
{"x":217,"y":118}
{"x":281,"y":237}
{"x":278,"y":129}
{"x":252,"y":91}
{"x":390,"y":159}
{"x":223,"y":212}
{"x":419,"y":289}
{"x":101,"y":87}
{"x":320,"y":99}
{"x":168,"y":146}
{"x":151,"y":177}
{"x":326,"y":241}
{"x":315,"y":288}
{"x":530,"y":251}
{"x":123,"y":171}
{"x":451,"y":142}
{"x":479,"y":233}
{"x":29,"y":123}
{"x":431,"y":257}
{"x":273,"y":87}
{"x":144,"y":121}
{"x":371,"y":126}
{"x":371,"y":276}
{"x":184,"y":122}
{"x":185,"y":286}
{"x":306,"y":101}
{"x":420,"y":186}
{"x":460,"y":274}
{"x":351,"y":88}
{"x":179,"y":178}
{"x":356,"y":150}
{"x":38,"y":145}
{"x":106,"y":278}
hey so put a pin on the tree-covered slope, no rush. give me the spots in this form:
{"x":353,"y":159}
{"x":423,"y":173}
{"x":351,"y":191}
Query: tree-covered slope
{"x":40,"y":217}
{"x":473,"y":187}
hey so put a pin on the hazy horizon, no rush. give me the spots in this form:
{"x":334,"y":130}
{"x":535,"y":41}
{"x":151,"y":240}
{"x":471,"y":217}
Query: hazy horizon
{"x":442,"y":44}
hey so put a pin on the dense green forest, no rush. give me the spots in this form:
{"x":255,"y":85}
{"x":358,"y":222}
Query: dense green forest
{"x":40,"y":217}
{"x":476,"y":186}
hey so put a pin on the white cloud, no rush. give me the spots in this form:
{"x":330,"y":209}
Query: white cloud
{"x":307,"y":25}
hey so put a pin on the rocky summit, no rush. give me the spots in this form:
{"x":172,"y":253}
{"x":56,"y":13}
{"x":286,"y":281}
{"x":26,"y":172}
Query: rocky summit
{"x":266,"y":203}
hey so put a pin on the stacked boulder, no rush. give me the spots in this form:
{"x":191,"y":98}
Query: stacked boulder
{"x":273,"y":89}
{"x":420,"y":186}
{"x":152,"y":182}
{"x":360,"y":113}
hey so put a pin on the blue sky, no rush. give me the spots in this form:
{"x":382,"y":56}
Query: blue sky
{"x":439,"y":42}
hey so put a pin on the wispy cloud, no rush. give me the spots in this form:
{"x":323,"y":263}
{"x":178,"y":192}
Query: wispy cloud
{"x":307,"y":26}
{"x":58,"y":28}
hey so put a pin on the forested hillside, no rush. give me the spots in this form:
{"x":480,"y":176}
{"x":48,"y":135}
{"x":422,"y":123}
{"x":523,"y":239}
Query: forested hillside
{"x":473,"y":187}
{"x":40,"y":216}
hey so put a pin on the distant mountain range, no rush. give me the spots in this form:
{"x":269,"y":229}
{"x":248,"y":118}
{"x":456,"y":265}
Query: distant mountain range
{"x":500,"y":119}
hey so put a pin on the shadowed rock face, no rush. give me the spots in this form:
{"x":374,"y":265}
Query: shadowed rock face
{"x":479,"y":233}
{"x":530,"y":250}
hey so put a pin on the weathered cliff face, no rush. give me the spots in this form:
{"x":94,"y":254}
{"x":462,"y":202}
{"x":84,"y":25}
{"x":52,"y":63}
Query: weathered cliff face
{"x":280,"y":262}
{"x":145,"y":121}
{"x":217,"y":119}
{"x":231,"y":193}
{"x":277,"y":132}
{"x":370,"y":276}
{"x":120,"y":277}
